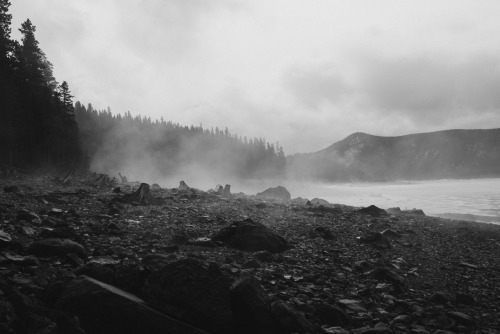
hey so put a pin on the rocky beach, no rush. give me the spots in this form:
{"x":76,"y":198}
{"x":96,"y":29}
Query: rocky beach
{"x":92,"y":255}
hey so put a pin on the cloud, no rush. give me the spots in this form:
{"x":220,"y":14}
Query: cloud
{"x":313,"y":85}
{"x":303,"y":74}
{"x":421,"y":89}
{"x":425,"y":89}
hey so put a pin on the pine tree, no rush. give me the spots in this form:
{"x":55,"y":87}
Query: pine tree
{"x":66,"y":99}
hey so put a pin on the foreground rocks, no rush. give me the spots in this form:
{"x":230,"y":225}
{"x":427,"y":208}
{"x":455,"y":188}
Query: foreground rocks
{"x":80,"y":258}
{"x":251,"y":236}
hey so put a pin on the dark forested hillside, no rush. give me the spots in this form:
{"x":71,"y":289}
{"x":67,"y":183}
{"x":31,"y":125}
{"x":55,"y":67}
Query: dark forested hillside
{"x":150,"y":149}
{"x":435,"y":155}
{"x":37,"y":123}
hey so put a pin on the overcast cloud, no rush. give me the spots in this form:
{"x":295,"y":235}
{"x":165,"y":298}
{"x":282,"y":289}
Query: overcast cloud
{"x":304,"y":73}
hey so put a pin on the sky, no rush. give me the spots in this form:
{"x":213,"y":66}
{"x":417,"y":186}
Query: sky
{"x":302,"y":73}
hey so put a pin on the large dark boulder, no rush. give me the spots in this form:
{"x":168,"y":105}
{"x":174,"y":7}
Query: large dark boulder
{"x":193,"y":291}
{"x":290,"y":320}
{"x":373,"y":211}
{"x":57,"y":247}
{"x":251,"y":236}
{"x":279,"y":193}
{"x":251,"y":307}
{"x":103,"y":308}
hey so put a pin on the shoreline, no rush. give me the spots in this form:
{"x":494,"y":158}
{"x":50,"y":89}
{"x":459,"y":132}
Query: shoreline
{"x":345,"y":270}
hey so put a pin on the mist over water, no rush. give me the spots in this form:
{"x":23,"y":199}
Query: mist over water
{"x":472,"y":196}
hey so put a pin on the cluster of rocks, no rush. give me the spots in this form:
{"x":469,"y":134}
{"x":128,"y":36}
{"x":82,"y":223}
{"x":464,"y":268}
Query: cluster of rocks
{"x":87,"y":259}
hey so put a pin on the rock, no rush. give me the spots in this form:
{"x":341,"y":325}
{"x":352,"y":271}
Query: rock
{"x":201,"y":241}
{"x":332,"y":315}
{"x":374,"y":330}
{"x":333,"y":330}
{"x":415,"y":212}
{"x":193,"y":291}
{"x":299,"y":201}
{"x":55,"y":212}
{"x":29,"y":216}
{"x":7,"y":314}
{"x":468,"y":265}
{"x":251,"y":308}
{"x":373,"y":211}
{"x":13,"y":190}
{"x":60,"y":232}
{"x":103,"y":308}
{"x":251,"y":236}
{"x":278,"y":193}
{"x":362,"y":266}
{"x":466,"y":299}
{"x":354,"y":305}
{"x":291,"y":320}
{"x":376,"y":240}
{"x":384,"y":274}
{"x":324,"y":233}
{"x":56,"y":247}
{"x":5,"y":239}
{"x":319,"y":201}
{"x":461,"y":318}
{"x":264,"y":256}
{"x":98,"y":272}
{"x":391,"y":234}
{"x":403,"y":319}
{"x":251,"y":264}
{"x":395,"y":210}
{"x":442,"y":297}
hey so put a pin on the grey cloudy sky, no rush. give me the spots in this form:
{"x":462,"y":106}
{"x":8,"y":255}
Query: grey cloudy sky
{"x":304,"y":73}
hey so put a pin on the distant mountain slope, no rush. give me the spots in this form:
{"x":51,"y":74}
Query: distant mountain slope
{"x":434,"y":155}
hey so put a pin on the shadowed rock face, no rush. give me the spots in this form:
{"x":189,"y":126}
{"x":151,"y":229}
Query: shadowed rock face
{"x":104,"y":308}
{"x":193,"y":291}
{"x":251,"y":236}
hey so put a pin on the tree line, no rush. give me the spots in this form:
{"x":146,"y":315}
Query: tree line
{"x":41,"y":127}
{"x":37,"y":121}
{"x":116,"y":142}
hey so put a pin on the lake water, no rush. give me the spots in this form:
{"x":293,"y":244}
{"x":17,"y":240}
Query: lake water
{"x":477,"y":197}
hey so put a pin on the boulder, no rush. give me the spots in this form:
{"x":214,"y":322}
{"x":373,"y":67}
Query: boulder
{"x":278,"y":193}
{"x":56,"y":247}
{"x":251,"y":236}
{"x":251,"y":308}
{"x":103,"y":308}
{"x":291,"y":320}
{"x":332,"y":315}
{"x":416,"y":212}
{"x":376,"y":240}
{"x":319,"y":201}
{"x":192,"y":291}
{"x":373,"y":211}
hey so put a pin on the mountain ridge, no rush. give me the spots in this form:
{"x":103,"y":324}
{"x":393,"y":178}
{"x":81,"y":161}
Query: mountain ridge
{"x":453,"y":153}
